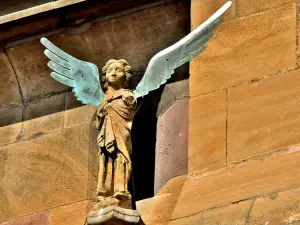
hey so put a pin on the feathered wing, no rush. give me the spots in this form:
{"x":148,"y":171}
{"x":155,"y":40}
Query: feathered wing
{"x":82,"y":76}
{"x":162,"y":65}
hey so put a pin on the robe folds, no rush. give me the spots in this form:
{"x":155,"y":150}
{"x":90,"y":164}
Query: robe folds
{"x":114,"y":120}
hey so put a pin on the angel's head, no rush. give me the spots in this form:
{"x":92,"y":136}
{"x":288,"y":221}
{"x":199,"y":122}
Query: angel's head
{"x":116,"y":74}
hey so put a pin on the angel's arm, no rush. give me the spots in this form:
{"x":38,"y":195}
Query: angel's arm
{"x":162,"y":65}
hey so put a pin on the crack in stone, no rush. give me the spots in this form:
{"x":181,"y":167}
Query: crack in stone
{"x":214,"y":208}
{"x":247,"y":218}
{"x":18,"y":82}
{"x":226,"y":127}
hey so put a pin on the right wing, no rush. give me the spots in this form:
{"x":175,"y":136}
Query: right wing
{"x":162,"y":65}
{"x":82,"y":76}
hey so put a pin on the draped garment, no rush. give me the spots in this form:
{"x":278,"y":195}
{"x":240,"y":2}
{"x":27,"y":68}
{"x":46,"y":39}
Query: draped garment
{"x":114,"y":120}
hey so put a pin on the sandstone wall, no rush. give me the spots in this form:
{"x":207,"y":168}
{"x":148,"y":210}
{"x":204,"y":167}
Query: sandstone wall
{"x":244,"y":122}
{"x":47,"y":163}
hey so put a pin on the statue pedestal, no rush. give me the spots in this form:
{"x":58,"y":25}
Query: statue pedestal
{"x":112,"y":211}
{"x":113,"y":215}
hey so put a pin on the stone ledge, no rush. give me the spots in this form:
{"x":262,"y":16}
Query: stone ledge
{"x":37,"y":9}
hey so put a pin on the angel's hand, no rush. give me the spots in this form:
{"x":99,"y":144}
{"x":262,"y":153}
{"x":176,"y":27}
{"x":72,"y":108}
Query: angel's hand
{"x":129,"y":100}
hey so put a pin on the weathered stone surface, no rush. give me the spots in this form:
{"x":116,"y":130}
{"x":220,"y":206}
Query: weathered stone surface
{"x":44,"y":172}
{"x":80,"y":115}
{"x":171,"y":157}
{"x":43,"y":125}
{"x":173,"y":186}
{"x":282,"y":208}
{"x":244,"y":181}
{"x":34,"y":219}
{"x":79,"y":136}
{"x":10,"y":133}
{"x":158,"y":210}
{"x":166,"y":101}
{"x":232,"y":214}
{"x":246,"y":48}
{"x":202,"y":10}
{"x":30,"y":65}
{"x":43,"y":107}
{"x":69,"y":214}
{"x":245,"y":7}
{"x":263,"y":116}
{"x":207,"y":131}
{"x":180,"y":89}
{"x":172,"y":92}
{"x":93,"y":160}
{"x":9,"y":90}
{"x":10,"y":115}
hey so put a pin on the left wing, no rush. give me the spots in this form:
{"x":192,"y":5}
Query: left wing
{"x":82,"y":76}
{"x":162,"y":65}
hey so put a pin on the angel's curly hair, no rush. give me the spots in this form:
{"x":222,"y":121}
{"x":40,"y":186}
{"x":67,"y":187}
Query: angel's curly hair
{"x":127,"y":71}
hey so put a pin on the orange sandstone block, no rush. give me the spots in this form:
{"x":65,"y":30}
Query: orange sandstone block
{"x":245,"y":7}
{"x":245,"y":181}
{"x":33,"y":219}
{"x":263,"y":116}
{"x":69,"y":214}
{"x":173,"y":186}
{"x":44,"y":172}
{"x":158,"y":210}
{"x":278,"y":208}
{"x":43,"y":125}
{"x":234,"y":214}
{"x":79,"y":115}
{"x":207,"y":131}
{"x":246,"y":48}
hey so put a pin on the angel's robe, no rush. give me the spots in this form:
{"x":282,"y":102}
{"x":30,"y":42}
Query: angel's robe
{"x":114,"y":120}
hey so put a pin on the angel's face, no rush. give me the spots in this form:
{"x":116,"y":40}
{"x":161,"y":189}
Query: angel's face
{"x":115,"y":75}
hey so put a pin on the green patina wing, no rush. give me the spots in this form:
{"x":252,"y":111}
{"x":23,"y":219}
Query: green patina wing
{"x":162,"y":65}
{"x":82,"y":76}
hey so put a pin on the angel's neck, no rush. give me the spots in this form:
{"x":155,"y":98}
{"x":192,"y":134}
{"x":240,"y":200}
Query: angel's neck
{"x":111,"y":89}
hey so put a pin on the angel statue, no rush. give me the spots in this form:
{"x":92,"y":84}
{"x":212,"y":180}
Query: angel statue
{"x":117,"y":102}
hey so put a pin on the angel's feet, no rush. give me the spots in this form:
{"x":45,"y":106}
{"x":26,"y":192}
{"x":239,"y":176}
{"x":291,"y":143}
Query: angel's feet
{"x":101,"y":192}
{"x":122,"y":195}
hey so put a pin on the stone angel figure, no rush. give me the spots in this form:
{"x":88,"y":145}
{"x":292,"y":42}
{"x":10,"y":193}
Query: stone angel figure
{"x":116,"y":102}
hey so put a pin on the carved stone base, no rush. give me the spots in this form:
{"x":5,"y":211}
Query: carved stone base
{"x":113,"y":211}
{"x":113,"y":215}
